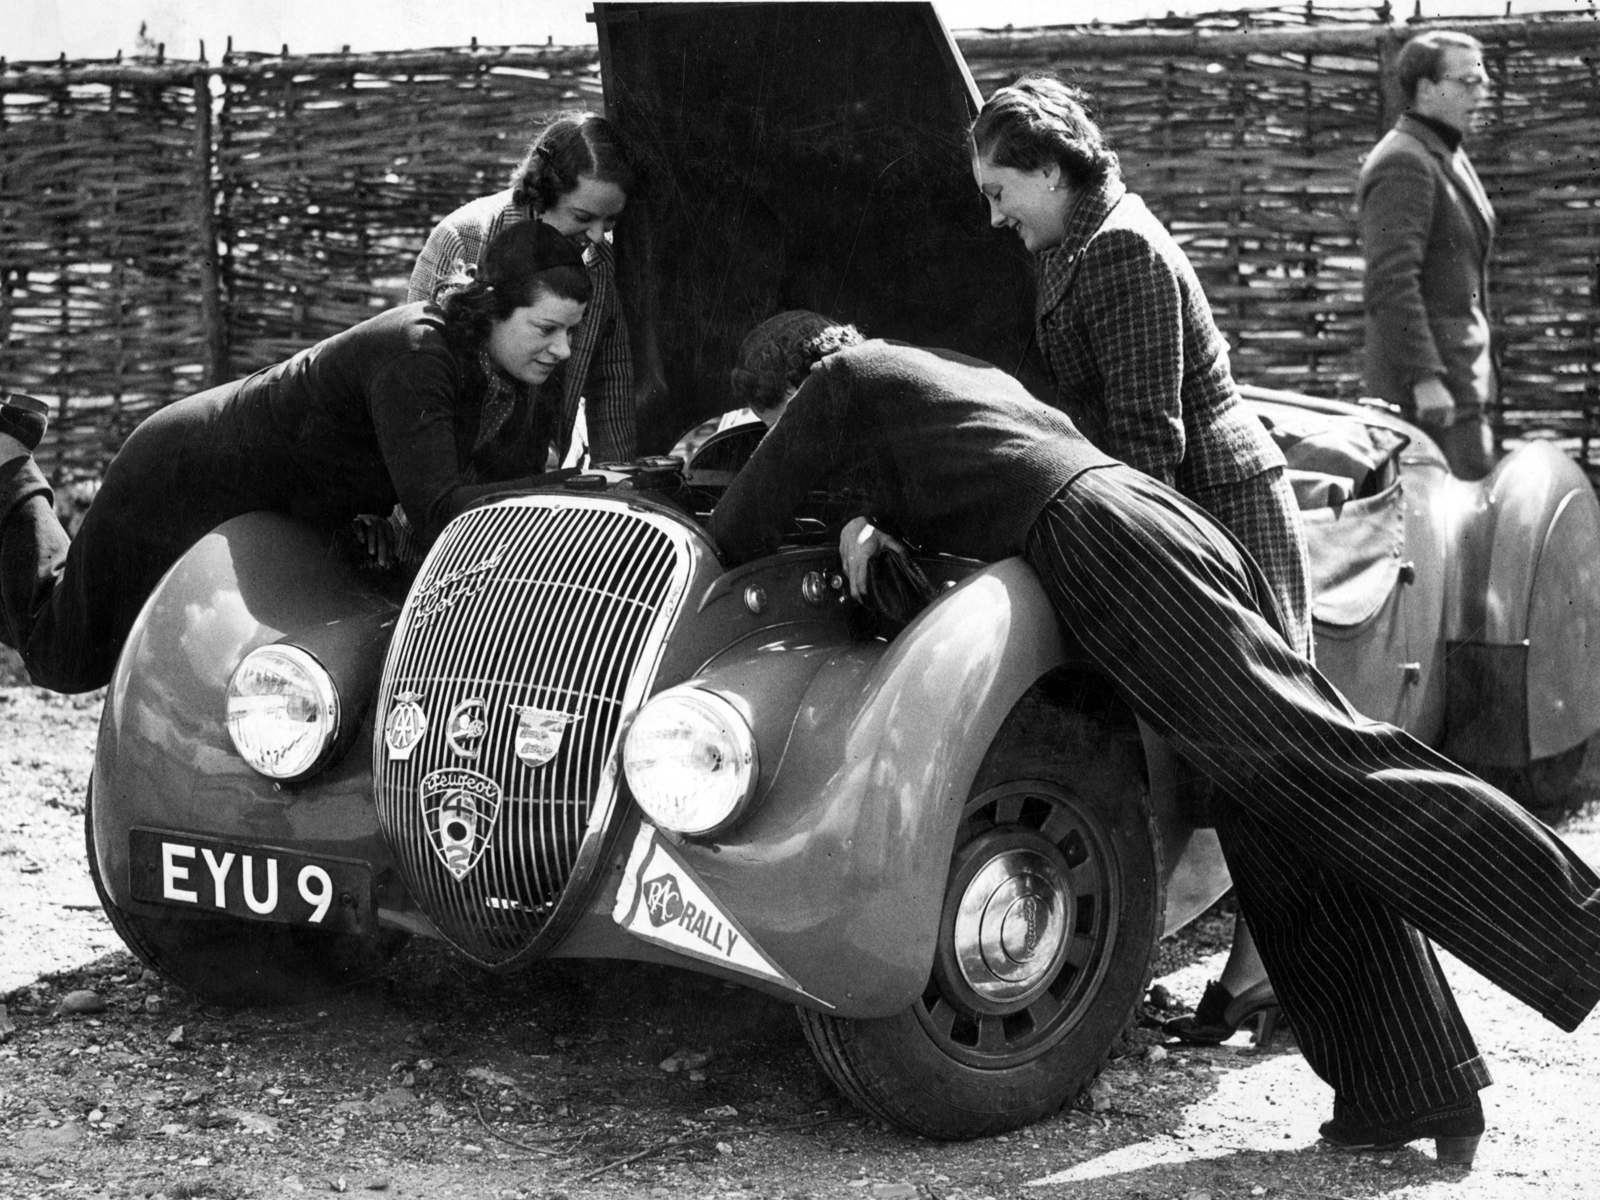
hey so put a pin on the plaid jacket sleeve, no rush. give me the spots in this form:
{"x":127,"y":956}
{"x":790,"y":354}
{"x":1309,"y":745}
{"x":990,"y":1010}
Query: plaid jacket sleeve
{"x":441,"y":256}
{"x":609,"y":388}
{"x":1131,"y":303}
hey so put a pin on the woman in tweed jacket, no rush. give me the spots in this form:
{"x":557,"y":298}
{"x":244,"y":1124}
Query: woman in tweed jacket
{"x":576,"y":177}
{"x":1142,"y":369}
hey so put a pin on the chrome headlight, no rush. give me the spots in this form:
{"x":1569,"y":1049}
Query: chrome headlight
{"x":690,"y":759}
{"x":283,"y":711}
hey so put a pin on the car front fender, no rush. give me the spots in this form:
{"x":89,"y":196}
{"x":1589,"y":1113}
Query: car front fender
{"x":164,"y":758}
{"x":869,"y":752}
{"x":839,"y":871}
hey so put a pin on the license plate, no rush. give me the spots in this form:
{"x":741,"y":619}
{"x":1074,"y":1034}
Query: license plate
{"x":258,"y":883}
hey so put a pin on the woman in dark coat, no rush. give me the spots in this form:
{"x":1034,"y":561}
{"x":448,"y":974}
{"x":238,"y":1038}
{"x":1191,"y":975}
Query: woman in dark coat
{"x":425,"y":406}
{"x":1140,"y":366}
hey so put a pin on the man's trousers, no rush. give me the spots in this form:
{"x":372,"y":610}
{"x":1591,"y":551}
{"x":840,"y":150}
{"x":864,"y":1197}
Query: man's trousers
{"x":1350,"y":843}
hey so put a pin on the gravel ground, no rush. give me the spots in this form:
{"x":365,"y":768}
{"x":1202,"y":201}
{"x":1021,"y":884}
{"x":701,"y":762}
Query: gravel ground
{"x":584,"y":1079}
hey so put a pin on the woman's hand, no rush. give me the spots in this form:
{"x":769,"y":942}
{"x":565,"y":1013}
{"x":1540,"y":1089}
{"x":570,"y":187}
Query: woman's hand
{"x":858,"y":542}
{"x":378,"y":536}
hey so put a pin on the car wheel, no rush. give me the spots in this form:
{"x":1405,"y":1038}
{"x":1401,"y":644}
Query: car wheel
{"x":240,"y":963}
{"x":1052,"y":910}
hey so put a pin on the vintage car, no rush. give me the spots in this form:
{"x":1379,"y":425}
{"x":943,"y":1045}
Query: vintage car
{"x":572,"y":731}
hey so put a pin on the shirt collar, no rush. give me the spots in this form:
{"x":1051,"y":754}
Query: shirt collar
{"x":1448,"y":133}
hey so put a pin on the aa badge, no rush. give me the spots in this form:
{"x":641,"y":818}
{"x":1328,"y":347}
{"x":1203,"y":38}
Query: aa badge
{"x":459,"y":808}
{"x":539,"y":733}
{"x":405,"y":726}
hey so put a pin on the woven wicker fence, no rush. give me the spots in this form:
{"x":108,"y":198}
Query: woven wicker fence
{"x":149,"y":246}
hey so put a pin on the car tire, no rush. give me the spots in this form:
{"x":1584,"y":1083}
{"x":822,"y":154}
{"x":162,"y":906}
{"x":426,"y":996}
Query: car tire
{"x":237,"y":963}
{"x":984,"y":1051}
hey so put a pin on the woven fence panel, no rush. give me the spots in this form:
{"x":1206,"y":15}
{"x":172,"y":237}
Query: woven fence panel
{"x":1540,"y":157}
{"x":99,"y":274}
{"x":331,"y":178}
{"x":1243,"y":132}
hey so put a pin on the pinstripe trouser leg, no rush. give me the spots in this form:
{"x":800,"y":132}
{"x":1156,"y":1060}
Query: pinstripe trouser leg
{"x":1348,"y":839}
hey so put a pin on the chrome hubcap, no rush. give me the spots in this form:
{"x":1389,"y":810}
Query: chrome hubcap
{"x":1011,"y":923}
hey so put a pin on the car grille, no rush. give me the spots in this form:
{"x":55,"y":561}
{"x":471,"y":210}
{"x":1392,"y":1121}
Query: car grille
{"x":555,"y":604}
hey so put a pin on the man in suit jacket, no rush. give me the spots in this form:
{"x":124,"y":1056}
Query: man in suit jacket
{"x":1426,"y":230}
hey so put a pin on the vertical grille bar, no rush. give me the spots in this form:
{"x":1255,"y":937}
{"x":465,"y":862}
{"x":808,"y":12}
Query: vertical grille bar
{"x":554,"y":603}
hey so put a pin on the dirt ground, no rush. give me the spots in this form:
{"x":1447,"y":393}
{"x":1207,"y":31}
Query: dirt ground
{"x":586,"y":1080}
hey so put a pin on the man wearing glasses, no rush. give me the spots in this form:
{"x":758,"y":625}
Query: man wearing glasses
{"x":1426,"y":230}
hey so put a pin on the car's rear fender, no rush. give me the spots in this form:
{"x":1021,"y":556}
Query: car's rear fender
{"x":1522,"y":621}
{"x":164,"y":759}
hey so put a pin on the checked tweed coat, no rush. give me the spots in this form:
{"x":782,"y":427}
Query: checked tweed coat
{"x":1142,"y":369}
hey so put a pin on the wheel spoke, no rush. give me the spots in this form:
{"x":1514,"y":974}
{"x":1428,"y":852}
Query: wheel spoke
{"x":942,"y":1017}
{"x":1086,"y":878}
{"x":1059,"y":824}
{"x":1008,"y":809}
{"x":1043,"y":1010}
{"x":992,"y":1035}
{"x":1080,"y":948}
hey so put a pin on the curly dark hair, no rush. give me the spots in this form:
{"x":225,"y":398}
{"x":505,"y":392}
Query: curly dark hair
{"x":573,"y":144}
{"x":1040,"y":120}
{"x":778,"y":354}
{"x":472,"y":306}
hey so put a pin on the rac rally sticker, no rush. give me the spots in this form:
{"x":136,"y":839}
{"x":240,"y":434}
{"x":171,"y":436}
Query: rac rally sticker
{"x":539,"y":733}
{"x":405,"y":726}
{"x":662,"y":901}
{"x":459,"y":808}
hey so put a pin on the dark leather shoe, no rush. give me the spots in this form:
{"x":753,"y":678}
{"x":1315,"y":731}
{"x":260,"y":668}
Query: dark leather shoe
{"x":24,"y":418}
{"x":1220,"y":1014}
{"x":1455,"y":1130}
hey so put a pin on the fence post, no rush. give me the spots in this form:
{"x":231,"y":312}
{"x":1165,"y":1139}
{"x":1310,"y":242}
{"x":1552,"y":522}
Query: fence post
{"x":1390,"y":102}
{"x":216,"y":333}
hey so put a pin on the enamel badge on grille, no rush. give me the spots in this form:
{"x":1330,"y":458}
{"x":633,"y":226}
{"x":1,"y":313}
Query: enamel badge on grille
{"x":405,"y":726}
{"x":459,"y":808}
{"x":539,"y":733}
{"x":468,"y":722}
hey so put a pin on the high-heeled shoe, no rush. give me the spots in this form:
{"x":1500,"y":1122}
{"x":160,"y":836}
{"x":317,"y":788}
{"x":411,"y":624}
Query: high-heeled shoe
{"x":1455,"y":1129}
{"x":1219,"y":1015}
{"x":24,"y":418}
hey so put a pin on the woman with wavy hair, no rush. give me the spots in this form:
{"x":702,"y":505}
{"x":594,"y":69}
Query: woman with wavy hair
{"x":428,"y":405}
{"x":1140,"y":366}
{"x":576,"y":177}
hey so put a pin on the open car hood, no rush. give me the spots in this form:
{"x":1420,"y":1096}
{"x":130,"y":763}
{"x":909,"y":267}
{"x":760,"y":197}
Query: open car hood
{"x":798,"y":155}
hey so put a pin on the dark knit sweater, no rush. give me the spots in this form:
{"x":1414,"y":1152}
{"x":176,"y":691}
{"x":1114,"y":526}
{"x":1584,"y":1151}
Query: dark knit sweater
{"x":953,"y":453}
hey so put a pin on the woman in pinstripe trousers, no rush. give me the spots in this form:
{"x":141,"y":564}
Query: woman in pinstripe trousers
{"x":1350,"y":843}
